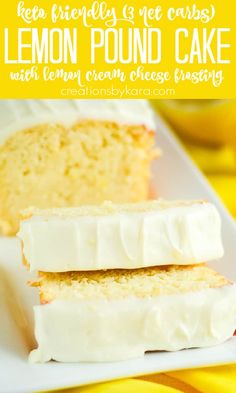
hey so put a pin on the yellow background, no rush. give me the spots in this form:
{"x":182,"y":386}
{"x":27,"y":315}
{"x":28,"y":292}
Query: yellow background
{"x":225,"y":17}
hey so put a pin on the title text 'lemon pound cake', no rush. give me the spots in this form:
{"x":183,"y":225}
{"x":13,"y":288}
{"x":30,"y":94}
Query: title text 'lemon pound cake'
{"x":67,"y":153}
{"x":125,"y":236}
{"x":121,"y":314}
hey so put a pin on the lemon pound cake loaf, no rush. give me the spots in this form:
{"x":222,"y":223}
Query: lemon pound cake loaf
{"x":75,"y":157}
{"x":121,"y":314}
{"x":126,"y":236}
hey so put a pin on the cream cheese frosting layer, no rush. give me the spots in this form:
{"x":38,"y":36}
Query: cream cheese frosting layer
{"x":96,"y":331}
{"x":180,"y":234}
{"x":17,"y":115}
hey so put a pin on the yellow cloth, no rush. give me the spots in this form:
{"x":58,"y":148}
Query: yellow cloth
{"x":203,"y":380}
{"x":220,"y":167}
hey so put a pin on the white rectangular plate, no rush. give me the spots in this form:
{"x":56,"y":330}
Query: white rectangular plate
{"x":175,"y":176}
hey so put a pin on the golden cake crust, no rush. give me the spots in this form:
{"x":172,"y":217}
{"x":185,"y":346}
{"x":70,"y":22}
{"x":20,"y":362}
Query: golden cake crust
{"x":120,"y":284}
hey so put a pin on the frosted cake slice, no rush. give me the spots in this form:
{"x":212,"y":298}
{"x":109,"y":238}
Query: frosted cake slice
{"x":128,"y":236}
{"x":120,"y":314}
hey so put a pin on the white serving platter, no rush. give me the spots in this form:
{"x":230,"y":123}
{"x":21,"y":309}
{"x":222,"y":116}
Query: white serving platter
{"x":175,"y":176}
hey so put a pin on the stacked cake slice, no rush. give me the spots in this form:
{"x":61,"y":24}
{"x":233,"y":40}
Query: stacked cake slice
{"x":116,"y":281}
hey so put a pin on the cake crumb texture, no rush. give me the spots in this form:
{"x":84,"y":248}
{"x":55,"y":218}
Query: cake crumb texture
{"x":120,"y":284}
{"x":54,"y":166}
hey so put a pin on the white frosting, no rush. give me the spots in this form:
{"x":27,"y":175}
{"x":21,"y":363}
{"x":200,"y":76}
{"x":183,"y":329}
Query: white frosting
{"x":103,"y":330}
{"x":16,"y":115}
{"x":182,"y":235}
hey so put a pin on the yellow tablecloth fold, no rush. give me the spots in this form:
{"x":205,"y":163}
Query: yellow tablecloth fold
{"x":123,"y":386}
{"x":210,"y":380}
{"x":203,"y":380}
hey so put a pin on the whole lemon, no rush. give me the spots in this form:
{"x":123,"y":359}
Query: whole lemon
{"x":207,"y":121}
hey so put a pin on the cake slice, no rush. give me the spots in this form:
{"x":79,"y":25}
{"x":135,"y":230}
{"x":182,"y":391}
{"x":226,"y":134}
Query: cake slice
{"x":115,"y":236}
{"x":120,"y":314}
{"x":66,"y":155}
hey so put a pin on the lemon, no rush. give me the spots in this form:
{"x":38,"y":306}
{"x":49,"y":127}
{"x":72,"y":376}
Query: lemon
{"x":206,"y":121}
